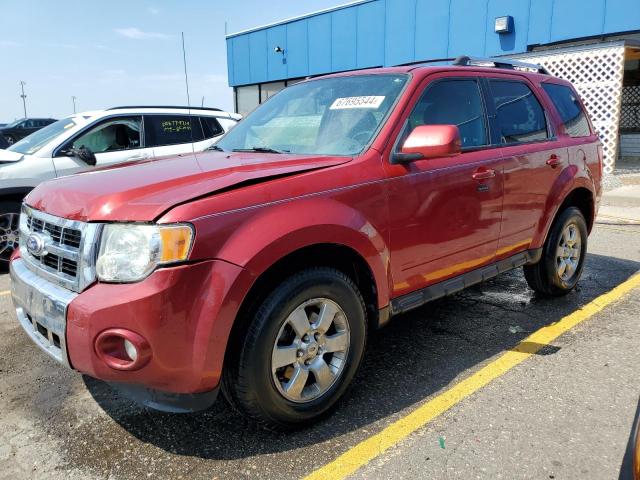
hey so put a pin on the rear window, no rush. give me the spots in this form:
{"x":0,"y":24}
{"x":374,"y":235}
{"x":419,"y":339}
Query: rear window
{"x":568,"y":106}
{"x":520,"y":116}
{"x":161,"y":130}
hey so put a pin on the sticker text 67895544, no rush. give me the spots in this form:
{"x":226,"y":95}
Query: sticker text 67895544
{"x":357,"y":102}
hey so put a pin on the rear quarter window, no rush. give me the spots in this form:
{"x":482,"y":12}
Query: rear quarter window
{"x":211,"y":127}
{"x":569,"y":108}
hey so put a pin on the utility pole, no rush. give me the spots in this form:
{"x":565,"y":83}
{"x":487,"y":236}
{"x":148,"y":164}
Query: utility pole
{"x":24,"y":97}
{"x":202,"y":104}
{"x":73,"y":98}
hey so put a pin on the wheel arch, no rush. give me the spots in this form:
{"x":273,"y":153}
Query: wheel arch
{"x":341,"y":257}
{"x":338,"y":256}
{"x":582,"y":199}
{"x":570,"y":190}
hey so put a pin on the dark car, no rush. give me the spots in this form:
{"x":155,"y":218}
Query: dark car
{"x":21,"y":128}
{"x":3,"y":142}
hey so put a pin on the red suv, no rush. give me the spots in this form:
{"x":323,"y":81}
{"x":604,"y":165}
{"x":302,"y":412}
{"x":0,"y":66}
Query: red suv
{"x":261,"y":265}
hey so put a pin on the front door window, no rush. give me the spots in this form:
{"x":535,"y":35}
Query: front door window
{"x":112,"y":136}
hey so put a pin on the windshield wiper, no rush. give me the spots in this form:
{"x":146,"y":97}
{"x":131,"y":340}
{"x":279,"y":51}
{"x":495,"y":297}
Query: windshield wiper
{"x":216,"y":148}
{"x":260,"y":150}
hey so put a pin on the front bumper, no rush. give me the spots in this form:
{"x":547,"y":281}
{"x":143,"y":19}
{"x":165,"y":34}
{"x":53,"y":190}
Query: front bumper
{"x":185,"y":313}
{"x":41,"y":309}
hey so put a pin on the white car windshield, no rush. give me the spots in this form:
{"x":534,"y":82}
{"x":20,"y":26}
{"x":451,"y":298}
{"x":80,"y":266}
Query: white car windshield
{"x":332,"y":116}
{"x":34,"y":142}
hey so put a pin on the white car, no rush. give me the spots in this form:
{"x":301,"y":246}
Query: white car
{"x":97,"y":139}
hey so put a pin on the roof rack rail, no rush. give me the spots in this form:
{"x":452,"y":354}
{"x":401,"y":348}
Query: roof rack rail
{"x":506,"y":63}
{"x":181,"y":107}
{"x":420,"y":63}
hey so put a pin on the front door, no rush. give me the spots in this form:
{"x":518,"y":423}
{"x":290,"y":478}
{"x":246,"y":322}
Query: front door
{"x":445,"y":213}
{"x":114,"y":140}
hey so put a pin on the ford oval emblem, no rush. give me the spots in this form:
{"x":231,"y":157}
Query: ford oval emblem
{"x":36,"y":244}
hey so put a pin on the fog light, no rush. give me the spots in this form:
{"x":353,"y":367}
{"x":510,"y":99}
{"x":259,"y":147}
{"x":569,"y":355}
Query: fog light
{"x":131,"y":350}
{"x":122,"y":349}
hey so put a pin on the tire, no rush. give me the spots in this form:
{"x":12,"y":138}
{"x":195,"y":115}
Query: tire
{"x":10,"y":140}
{"x":9,"y":218}
{"x":560,"y":268}
{"x":291,"y":396}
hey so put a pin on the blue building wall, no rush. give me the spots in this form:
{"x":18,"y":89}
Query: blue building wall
{"x":375,"y":33}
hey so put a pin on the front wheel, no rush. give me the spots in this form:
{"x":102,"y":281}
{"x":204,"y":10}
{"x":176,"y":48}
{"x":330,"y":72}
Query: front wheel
{"x":9,"y":221}
{"x":560,"y":268}
{"x":301,"y":348}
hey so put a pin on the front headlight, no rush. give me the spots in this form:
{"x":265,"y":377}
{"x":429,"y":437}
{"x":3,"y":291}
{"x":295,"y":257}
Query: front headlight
{"x":130,"y":252}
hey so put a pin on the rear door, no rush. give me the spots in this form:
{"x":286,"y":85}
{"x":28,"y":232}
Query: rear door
{"x":533,"y":158}
{"x":445,"y":213}
{"x":580,"y":138}
{"x":171,"y":134}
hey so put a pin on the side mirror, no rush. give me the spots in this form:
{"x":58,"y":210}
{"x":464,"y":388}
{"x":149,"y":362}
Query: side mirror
{"x":429,"y":141}
{"x":83,"y":153}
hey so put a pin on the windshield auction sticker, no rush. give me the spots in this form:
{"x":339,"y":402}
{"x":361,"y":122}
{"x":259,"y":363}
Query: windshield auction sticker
{"x":357,"y":102}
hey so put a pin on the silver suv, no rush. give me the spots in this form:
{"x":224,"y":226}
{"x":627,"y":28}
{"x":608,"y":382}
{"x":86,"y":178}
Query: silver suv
{"x":99,"y":139}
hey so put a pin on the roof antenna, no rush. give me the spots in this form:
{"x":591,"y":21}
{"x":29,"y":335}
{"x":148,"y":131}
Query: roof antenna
{"x":186,"y":82}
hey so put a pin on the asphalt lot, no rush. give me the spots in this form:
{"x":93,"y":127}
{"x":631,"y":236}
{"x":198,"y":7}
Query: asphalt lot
{"x":565,"y":412}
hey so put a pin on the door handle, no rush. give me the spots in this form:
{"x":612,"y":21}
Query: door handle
{"x":553,"y":161}
{"x":484,"y":174}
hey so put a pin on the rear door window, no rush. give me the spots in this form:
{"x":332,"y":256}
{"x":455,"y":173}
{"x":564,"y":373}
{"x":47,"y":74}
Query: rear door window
{"x":568,"y":106}
{"x":211,"y":127}
{"x":521,"y":118}
{"x":161,"y":130}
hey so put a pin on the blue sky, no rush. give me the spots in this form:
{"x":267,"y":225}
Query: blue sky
{"x":120,"y":52}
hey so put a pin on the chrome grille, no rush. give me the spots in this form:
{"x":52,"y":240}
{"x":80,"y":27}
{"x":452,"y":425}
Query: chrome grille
{"x":70,"y":254}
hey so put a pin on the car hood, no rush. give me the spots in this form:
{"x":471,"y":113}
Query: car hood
{"x":145,"y":190}
{"x":7,"y":156}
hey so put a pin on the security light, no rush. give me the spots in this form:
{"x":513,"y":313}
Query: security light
{"x":278,"y":49}
{"x":504,"y":24}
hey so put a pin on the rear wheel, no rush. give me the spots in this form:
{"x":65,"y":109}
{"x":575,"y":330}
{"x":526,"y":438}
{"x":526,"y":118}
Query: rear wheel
{"x":301,"y":348}
{"x":560,"y":267}
{"x":9,"y":221}
{"x":10,"y":140}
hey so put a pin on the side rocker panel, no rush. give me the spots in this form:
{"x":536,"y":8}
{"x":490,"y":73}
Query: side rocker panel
{"x":448,"y":287}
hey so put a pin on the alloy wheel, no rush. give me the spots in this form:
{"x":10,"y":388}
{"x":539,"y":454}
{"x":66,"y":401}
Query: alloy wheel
{"x":310,"y":351}
{"x":568,"y":252}
{"x":8,"y":235}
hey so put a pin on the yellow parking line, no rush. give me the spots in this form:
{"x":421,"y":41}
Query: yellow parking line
{"x":368,"y":449}
{"x":6,"y":292}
